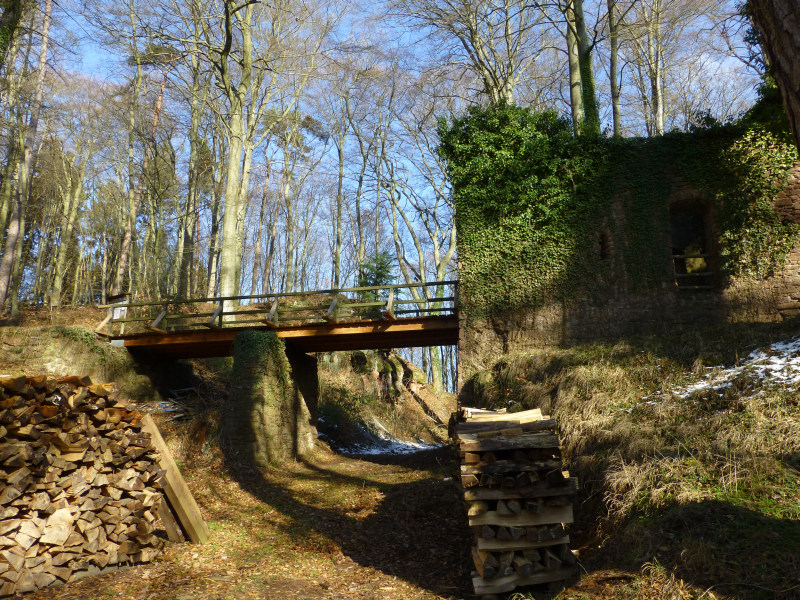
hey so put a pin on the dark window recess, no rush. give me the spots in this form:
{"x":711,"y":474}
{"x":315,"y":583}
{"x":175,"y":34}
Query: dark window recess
{"x":605,"y":245}
{"x":691,"y":255}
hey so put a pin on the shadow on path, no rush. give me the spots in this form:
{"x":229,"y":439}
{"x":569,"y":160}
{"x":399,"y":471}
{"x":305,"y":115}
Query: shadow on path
{"x":417,"y":531}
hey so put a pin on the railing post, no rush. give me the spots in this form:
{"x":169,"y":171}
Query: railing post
{"x":330,"y":316}
{"x":388,"y":310}
{"x":272,"y":317}
{"x":154,"y":326}
{"x":216,"y":316}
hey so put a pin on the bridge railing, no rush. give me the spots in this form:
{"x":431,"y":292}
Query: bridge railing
{"x":346,"y":305}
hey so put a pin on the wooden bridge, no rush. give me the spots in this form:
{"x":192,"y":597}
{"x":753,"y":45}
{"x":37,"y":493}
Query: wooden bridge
{"x":358,"y":318}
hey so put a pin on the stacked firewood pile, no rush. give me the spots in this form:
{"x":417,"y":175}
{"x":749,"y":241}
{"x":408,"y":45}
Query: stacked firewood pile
{"x":79,"y":488}
{"x":518,"y":499}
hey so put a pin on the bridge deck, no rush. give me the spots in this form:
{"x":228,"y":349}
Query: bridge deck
{"x":316,"y":337}
{"x":395,"y":316}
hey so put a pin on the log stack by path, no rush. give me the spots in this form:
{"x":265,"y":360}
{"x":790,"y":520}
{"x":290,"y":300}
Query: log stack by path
{"x":80,"y":483}
{"x":518,"y":499}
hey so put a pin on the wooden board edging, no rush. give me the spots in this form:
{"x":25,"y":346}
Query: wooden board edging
{"x":178,"y":495}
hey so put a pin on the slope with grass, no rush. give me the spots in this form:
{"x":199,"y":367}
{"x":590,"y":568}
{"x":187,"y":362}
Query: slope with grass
{"x":687,"y":448}
{"x":374,"y":401}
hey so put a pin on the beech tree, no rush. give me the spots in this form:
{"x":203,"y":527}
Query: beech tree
{"x":494,"y":39}
{"x":27,"y":141}
{"x":10,"y":17}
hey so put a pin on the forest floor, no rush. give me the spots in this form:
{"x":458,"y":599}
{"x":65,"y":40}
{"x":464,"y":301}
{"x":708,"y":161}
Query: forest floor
{"x":329,"y":527}
{"x":393,"y":526}
{"x":333,"y":527}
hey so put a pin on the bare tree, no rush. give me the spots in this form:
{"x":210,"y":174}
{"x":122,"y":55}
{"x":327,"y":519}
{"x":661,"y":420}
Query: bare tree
{"x":16,"y":221}
{"x":494,"y":39}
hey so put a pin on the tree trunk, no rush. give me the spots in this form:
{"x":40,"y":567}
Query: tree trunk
{"x":257,"y":260}
{"x":213,"y":240}
{"x":573,"y":55}
{"x":235,"y":191}
{"x":9,"y":21}
{"x":337,"y":227}
{"x":133,"y":199}
{"x":188,"y":222}
{"x":16,"y":275}
{"x":23,"y":185}
{"x":778,"y":22}
{"x":71,"y":206}
{"x":591,"y":114}
{"x":613,"y":76}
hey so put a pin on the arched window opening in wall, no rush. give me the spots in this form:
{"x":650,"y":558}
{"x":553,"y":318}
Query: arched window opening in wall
{"x":692,"y":256}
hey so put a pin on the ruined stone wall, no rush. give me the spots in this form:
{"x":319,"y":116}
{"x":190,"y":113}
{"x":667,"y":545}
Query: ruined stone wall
{"x":484,"y":339}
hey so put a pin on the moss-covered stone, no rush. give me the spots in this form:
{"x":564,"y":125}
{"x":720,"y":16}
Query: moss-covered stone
{"x":266,"y":419}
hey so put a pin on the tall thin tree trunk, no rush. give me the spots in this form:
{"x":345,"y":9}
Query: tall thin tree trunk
{"x":16,"y":275}
{"x":12,"y":165}
{"x":591,"y":113}
{"x":337,"y":227}
{"x":573,"y":62}
{"x":71,"y":204}
{"x":103,"y":268}
{"x":213,"y":242}
{"x":188,"y":222}
{"x":257,"y":259}
{"x":23,"y":186}
{"x":133,"y":199}
{"x":7,"y":187}
{"x":613,"y":75}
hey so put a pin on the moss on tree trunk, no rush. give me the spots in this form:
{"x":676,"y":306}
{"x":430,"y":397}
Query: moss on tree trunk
{"x":266,"y":419}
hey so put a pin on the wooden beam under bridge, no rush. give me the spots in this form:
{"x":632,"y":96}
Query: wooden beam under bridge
{"x":315,"y":337}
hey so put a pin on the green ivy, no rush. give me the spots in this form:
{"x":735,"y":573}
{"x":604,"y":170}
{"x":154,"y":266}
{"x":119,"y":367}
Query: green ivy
{"x":754,"y":242}
{"x":533,"y":204}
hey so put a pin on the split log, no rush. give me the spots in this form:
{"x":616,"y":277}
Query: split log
{"x":79,"y":482}
{"x":518,"y":499}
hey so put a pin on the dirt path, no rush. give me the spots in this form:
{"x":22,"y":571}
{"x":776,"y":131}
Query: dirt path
{"x":335,"y":528}
{"x":328,"y":528}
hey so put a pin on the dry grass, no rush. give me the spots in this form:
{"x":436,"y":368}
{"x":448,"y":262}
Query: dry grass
{"x":708,"y":484}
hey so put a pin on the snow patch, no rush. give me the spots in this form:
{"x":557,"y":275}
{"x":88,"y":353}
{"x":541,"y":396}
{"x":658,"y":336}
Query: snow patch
{"x":386,"y":443}
{"x":778,"y":365}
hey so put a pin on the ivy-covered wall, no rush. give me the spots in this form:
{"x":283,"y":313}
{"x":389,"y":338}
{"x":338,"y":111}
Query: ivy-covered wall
{"x":562,"y":238}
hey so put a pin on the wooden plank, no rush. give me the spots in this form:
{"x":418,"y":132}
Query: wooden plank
{"x":480,"y":414}
{"x":510,"y":466}
{"x":550,"y":515}
{"x":210,"y":323}
{"x":317,"y":337}
{"x":510,"y":582}
{"x":522,"y":544}
{"x":330,"y":316}
{"x":215,"y":299}
{"x":532,"y":491}
{"x":485,"y":426}
{"x":388,"y":310}
{"x":171,"y":525}
{"x":157,"y":321}
{"x":178,"y":493}
{"x":526,"y":441}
